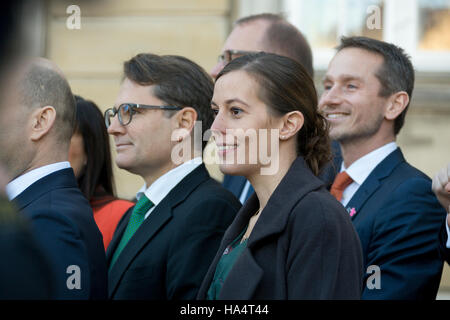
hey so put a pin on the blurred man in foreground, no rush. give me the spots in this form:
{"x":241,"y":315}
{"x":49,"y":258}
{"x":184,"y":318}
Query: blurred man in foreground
{"x":35,"y":131}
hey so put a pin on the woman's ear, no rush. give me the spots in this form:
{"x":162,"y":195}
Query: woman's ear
{"x":292,"y":123}
{"x":397,"y":103}
{"x":42,"y":120}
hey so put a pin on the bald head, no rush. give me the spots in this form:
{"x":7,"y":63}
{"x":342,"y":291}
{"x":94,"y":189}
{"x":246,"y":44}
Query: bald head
{"x":44,"y":64}
{"x":39,"y":113}
{"x":270,"y":33}
{"x":41,"y":84}
{"x":280,"y":37}
{"x":248,"y":36}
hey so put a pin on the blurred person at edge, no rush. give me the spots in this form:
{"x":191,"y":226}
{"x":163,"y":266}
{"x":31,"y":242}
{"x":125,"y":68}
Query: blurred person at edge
{"x":291,"y":239}
{"x":269,"y":33}
{"x":90,"y":158}
{"x":34,"y":139}
{"x":441,"y":188}
{"x":25,"y":271}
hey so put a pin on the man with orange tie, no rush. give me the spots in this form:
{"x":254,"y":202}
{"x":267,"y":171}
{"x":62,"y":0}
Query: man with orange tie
{"x":367,"y":90}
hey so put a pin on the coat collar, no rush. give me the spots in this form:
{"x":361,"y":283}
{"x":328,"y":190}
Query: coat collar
{"x":151,"y":225}
{"x":373,"y":181}
{"x":298,"y":181}
{"x":59,"y":179}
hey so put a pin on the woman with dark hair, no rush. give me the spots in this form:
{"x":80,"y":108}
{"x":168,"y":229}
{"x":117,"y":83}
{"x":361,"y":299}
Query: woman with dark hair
{"x":291,"y":239}
{"x":90,"y":158}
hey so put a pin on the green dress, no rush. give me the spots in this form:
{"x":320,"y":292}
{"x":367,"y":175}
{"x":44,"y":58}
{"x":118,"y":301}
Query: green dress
{"x":226,"y":262}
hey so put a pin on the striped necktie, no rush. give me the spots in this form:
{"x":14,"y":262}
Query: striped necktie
{"x":136,"y":219}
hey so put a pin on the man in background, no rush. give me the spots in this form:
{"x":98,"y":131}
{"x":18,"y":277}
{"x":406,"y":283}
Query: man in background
{"x":367,"y":91}
{"x":25,"y":271}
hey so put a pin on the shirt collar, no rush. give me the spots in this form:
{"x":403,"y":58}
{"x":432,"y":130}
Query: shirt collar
{"x":19,"y":184}
{"x":361,"y":168}
{"x":164,"y":184}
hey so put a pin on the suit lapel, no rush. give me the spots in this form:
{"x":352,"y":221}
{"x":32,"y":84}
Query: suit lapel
{"x":373,"y":181}
{"x":118,"y":233}
{"x":160,"y":216}
{"x":236,"y":227}
{"x":249,"y":275}
{"x":298,"y":182}
{"x":149,"y":228}
{"x":360,"y":197}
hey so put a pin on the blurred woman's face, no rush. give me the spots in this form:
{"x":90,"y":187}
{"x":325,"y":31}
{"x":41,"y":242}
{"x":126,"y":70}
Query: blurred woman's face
{"x":77,"y":156}
{"x":245,"y":133}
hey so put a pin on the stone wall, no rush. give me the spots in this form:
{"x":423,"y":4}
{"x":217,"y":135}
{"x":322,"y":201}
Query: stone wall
{"x":113,"y":31}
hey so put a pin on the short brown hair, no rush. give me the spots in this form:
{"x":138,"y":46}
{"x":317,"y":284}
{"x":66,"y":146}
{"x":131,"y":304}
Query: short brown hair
{"x":178,"y":81}
{"x":395,"y":74}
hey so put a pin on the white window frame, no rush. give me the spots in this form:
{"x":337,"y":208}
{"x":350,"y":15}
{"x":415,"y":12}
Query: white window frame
{"x":400,"y":27}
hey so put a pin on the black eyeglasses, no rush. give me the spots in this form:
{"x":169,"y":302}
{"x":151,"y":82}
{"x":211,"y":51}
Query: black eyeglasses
{"x":228,"y":55}
{"x":126,"y":111}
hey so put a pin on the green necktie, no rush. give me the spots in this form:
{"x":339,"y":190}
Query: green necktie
{"x":136,"y":219}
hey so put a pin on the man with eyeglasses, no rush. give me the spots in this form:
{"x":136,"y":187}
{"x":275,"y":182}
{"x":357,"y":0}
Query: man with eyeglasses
{"x":164,"y":245}
{"x":273,"y":34}
{"x":265,"y":32}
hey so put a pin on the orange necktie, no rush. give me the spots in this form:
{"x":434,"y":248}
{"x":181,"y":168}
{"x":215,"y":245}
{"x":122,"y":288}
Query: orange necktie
{"x":341,"y":182}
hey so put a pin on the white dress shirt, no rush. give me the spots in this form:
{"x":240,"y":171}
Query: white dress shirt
{"x":244,"y":192}
{"x":19,"y":184}
{"x":361,"y":169}
{"x":448,"y":234}
{"x":164,"y":184}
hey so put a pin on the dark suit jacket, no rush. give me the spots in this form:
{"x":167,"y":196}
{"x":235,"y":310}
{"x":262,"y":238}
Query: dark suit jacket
{"x":24,"y":270}
{"x":64,"y":225}
{"x":236,"y":183}
{"x":329,"y":172}
{"x":303,"y":246}
{"x":398,"y":219}
{"x":169,"y":254}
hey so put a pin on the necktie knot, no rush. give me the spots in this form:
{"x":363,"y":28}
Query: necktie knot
{"x":143,"y":205}
{"x":341,"y":182}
